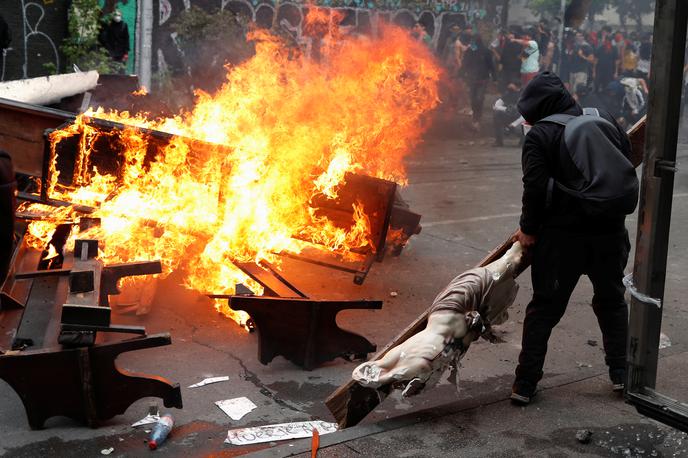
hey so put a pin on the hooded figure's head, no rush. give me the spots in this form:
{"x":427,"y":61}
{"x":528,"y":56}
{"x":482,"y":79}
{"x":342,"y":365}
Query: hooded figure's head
{"x":544,"y":95}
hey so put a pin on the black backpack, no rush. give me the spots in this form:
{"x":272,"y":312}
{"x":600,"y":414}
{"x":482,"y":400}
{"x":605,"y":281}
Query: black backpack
{"x":608,"y":183}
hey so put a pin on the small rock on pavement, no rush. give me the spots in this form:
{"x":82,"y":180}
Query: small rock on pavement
{"x":107,"y":451}
{"x":583,"y":436}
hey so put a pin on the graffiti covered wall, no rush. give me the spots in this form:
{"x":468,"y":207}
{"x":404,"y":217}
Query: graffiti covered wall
{"x":437,"y":16}
{"x":37,"y":28}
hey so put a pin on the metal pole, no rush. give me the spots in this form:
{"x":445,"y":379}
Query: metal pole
{"x":562,"y":26}
{"x":654,"y":212}
{"x":146,"y":40}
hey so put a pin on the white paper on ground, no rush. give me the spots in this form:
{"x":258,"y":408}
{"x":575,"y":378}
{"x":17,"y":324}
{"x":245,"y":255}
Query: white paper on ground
{"x":210,"y":380}
{"x":280,"y":432}
{"x":147,"y":420}
{"x":664,"y":341}
{"x":236,"y":408}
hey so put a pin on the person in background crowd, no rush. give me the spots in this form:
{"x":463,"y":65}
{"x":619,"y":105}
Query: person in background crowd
{"x":606,"y":63}
{"x":448,"y":55}
{"x":505,"y":112}
{"x":629,"y":61}
{"x":543,"y":38}
{"x":581,"y":63}
{"x":115,"y":38}
{"x":477,"y":69}
{"x":510,"y":60}
{"x":633,"y":106}
{"x":530,"y":58}
{"x":496,"y":47}
{"x":634,"y":41}
{"x":592,"y":39}
{"x":549,"y":55}
{"x":5,"y":35}
{"x":461,"y":45}
{"x":567,"y":60}
{"x":644,"y":57}
{"x":422,"y":35}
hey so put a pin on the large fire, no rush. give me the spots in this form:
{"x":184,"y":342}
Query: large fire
{"x":290,"y":127}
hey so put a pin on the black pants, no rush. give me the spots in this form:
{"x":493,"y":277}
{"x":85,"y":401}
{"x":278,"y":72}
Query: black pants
{"x":559,"y":260}
{"x":501,"y":121}
{"x":477,"y":94}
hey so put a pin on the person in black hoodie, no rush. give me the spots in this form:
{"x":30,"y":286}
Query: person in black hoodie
{"x":115,"y":38}
{"x":564,"y":242}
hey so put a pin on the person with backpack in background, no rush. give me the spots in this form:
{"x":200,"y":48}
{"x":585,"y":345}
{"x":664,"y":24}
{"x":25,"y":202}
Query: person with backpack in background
{"x":578,"y":187}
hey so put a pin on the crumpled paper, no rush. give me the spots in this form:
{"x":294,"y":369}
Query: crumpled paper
{"x":210,"y":380}
{"x":236,"y":408}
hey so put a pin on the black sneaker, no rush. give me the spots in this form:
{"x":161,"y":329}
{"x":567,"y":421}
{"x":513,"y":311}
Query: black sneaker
{"x":522,"y":392}
{"x":618,"y":378}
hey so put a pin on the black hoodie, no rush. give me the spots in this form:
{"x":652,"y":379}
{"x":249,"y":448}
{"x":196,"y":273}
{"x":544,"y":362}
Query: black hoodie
{"x":543,"y":158}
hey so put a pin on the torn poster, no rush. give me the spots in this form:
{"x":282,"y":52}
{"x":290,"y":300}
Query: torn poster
{"x":236,"y":408}
{"x":210,"y":380}
{"x":280,"y":432}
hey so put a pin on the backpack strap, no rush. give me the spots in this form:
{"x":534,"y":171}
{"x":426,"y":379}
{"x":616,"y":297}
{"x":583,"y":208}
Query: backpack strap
{"x":559,"y":118}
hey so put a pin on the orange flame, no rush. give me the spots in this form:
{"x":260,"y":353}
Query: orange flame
{"x":287,"y":127}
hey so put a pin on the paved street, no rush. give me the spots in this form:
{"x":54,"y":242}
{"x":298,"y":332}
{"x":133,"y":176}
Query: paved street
{"x":469,"y":196}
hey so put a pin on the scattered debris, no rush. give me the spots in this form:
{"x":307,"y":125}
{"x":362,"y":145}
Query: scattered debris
{"x":160,"y":431}
{"x":592,"y":343}
{"x":664,"y":341}
{"x":210,"y":380}
{"x":583,"y":364}
{"x":152,"y":417}
{"x":583,"y":436}
{"x":282,"y":431}
{"x":236,"y":408}
{"x":393,"y":294}
{"x":107,"y":451}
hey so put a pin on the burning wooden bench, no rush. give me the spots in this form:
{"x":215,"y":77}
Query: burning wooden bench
{"x":54,"y":311}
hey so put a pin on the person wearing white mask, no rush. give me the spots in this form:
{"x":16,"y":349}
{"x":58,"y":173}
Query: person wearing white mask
{"x":115,"y":38}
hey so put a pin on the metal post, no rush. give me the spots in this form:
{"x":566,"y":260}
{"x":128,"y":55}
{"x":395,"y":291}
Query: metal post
{"x":562,"y":26}
{"x":145,"y":36}
{"x":654,"y":213}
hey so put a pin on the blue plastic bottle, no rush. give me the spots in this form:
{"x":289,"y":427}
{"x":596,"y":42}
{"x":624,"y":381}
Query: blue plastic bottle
{"x":160,"y":431}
